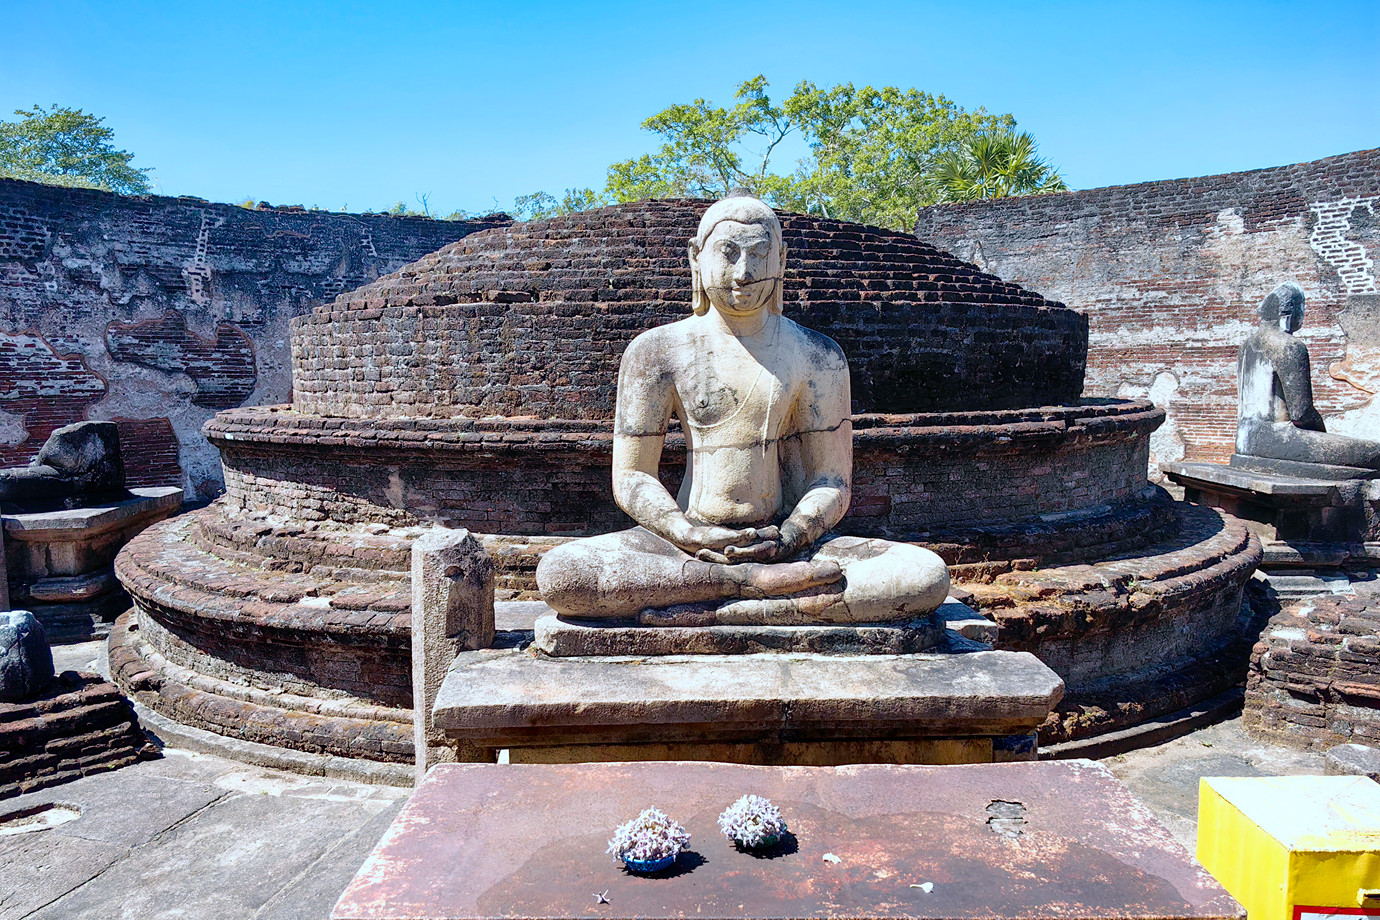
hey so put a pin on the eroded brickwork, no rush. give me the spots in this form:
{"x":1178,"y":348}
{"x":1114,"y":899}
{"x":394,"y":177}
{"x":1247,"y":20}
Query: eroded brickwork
{"x":79,"y":726}
{"x":1170,"y":275}
{"x":531,"y":320}
{"x":1314,"y":680}
{"x":913,"y":475}
{"x":158,"y":311}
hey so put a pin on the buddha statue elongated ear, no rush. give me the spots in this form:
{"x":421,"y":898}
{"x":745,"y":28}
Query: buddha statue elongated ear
{"x":779,"y":301}
{"x":699,"y":297}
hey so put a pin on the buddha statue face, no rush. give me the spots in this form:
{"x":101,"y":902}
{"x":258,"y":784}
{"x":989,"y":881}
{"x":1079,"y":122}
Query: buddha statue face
{"x":740,"y":267}
{"x":1284,"y":306}
{"x":736,"y":258}
{"x":1291,"y":315}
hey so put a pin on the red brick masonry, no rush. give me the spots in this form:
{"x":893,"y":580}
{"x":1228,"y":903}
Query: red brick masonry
{"x":79,"y":726}
{"x":1315,"y":673}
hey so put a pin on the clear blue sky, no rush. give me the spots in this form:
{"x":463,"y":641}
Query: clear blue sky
{"x":364,"y":104}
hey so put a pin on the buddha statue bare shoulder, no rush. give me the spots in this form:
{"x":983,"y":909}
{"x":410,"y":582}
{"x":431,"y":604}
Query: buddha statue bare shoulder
{"x":765,"y":407}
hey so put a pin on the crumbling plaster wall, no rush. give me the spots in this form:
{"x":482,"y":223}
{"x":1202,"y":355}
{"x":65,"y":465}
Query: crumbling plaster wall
{"x":157,"y":312}
{"x":1170,"y":274}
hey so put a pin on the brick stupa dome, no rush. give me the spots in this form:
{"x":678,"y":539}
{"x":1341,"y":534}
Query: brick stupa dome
{"x":531,"y":320}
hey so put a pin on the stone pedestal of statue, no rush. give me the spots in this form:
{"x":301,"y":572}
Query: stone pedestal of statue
{"x":60,"y":562}
{"x":1308,"y":516}
{"x":814,"y":695}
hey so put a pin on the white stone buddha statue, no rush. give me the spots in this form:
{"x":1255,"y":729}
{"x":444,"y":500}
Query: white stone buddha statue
{"x":765,"y":407}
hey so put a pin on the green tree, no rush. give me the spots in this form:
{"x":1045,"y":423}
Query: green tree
{"x":539,"y":205}
{"x":63,"y":146}
{"x":872,"y":153}
{"x":994,"y":165}
{"x":704,"y":153}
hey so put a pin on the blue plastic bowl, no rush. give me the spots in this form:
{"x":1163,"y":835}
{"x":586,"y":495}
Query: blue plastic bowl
{"x":649,"y":865}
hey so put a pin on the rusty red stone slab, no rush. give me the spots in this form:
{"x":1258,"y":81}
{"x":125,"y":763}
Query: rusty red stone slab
{"x":1046,"y":840}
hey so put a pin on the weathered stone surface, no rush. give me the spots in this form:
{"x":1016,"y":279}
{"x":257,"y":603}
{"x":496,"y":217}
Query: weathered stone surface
{"x":508,"y":698}
{"x":26,"y":663}
{"x":562,"y":638}
{"x":1046,"y":840}
{"x":1353,"y":760}
{"x":452,"y":612}
{"x":78,"y":464}
{"x":1298,"y":470}
{"x":60,"y":561}
{"x":258,"y":857}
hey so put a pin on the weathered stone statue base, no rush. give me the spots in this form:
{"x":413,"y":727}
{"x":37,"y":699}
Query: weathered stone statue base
{"x":1307,"y":515}
{"x":561,"y":638}
{"x":810,"y":695}
{"x":763,"y":707}
{"x":60,"y":563}
{"x":1301,"y":470}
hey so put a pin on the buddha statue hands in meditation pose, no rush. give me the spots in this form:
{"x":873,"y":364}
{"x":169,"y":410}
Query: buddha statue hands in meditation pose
{"x":1276,"y":417}
{"x":765,"y":407}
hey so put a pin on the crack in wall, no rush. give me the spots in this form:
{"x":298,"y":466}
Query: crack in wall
{"x":1329,"y":240}
{"x":198,"y":271}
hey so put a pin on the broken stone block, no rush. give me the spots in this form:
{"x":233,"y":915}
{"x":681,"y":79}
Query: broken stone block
{"x":26,"y":662}
{"x":452,"y":611}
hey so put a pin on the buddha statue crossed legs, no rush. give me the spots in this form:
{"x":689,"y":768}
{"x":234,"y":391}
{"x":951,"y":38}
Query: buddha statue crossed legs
{"x":765,"y":407}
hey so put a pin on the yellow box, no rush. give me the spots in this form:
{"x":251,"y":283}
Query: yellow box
{"x":1291,"y":847}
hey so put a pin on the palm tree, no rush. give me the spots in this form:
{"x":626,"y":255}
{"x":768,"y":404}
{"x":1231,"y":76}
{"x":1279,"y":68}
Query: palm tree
{"x":994,"y":165}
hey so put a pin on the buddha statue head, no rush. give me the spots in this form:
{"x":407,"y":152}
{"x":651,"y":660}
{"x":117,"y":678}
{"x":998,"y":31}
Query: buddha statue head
{"x":1283,"y":307}
{"x":737,"y":258}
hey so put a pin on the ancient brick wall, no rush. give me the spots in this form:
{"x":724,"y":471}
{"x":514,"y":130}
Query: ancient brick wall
{"x":1170,"y":274}
{"x":156,"y":312}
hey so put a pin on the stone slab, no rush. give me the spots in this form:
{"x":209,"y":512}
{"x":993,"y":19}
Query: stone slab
{"x":1295,"y":469}
{"x":257,"y":856}
{"x":1250,"y":481}
{"x":788,"y":754}
{"x":563,"y":638}
{"x":505,"y":697}
{"x":1288,"y":585}
{"x":519,"y":616}
{"x":1047,"y":840}
{"x":304,"y":898}
{"x":1353,"y":760}
{"x":124,"y":807}
{"x":78,"y":523}
{"x":41,"y":867}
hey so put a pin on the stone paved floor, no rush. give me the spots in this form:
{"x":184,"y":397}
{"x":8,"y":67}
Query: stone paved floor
{"x":195,"y":836}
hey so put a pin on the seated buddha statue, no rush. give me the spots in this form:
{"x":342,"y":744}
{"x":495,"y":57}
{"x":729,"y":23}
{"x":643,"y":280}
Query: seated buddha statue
{"x":765,"y":408}
{"x":1276,"y":418}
